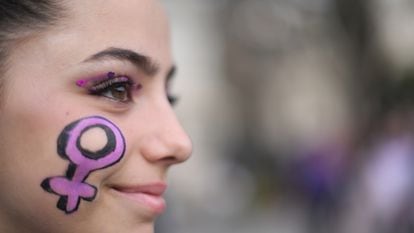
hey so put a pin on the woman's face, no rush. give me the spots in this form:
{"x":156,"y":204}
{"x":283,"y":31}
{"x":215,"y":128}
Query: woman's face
{"x":111,"y":60}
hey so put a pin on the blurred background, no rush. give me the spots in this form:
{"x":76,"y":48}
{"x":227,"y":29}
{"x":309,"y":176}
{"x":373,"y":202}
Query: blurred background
{"x":301,"y":115}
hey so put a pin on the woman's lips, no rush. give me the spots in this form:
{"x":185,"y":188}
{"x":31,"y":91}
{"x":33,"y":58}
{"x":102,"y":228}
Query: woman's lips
{"x":149,"y":195}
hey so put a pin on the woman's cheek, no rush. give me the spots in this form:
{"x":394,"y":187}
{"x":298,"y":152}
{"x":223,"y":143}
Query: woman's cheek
{"x":88,"y":144}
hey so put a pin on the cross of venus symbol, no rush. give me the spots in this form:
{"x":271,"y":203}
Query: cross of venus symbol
{"x":72,"y":186}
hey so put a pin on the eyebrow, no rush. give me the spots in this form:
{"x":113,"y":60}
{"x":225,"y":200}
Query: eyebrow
{"x":145,"y":63}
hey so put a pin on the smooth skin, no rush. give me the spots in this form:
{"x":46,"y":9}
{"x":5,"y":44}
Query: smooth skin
{"x":39,"y":97}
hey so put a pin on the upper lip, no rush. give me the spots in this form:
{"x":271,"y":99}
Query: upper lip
{"x":155,"y":188}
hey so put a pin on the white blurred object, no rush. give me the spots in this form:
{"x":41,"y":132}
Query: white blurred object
{"x":388,"y":178}
{"x":385,"y":188}
{"x":394,"y":25}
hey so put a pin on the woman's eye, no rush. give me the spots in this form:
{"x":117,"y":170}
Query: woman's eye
{"x":119,"y":92}
{"x":115,"y":88}
{"x":172,"y":99}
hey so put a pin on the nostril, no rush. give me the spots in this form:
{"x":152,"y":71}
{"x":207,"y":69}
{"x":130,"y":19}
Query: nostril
{"x":170,"y":159}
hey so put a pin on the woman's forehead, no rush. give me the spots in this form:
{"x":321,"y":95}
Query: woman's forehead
{"x":95,"y":25}
{"x":105,"y":10}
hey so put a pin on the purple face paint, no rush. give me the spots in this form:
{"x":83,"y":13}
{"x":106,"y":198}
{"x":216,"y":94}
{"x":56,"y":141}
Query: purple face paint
{"x":72,"y":187}
{"x":100,"y":79}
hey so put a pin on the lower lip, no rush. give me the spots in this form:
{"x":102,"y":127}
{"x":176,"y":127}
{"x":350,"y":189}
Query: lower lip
{"x":152,"y":202}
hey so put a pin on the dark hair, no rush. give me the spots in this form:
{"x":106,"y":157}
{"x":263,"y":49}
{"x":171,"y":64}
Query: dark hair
{"x":21,"y":18}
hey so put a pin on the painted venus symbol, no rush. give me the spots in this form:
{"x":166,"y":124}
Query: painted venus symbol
{"x":72,"y":187}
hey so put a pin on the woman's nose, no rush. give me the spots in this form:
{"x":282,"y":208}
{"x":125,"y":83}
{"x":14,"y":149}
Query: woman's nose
{"x":166,"y":142}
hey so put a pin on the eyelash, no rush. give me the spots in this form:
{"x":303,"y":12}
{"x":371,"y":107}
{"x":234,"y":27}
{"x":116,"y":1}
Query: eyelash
{"x":112,"y":82}
{"x":117,"y":88}
{"x":172,"y":99}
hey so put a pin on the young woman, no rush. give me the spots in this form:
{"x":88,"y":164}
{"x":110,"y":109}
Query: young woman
{"x":87,"y":131}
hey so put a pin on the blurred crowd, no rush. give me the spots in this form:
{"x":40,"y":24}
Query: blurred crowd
{"x":301,"y":113}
